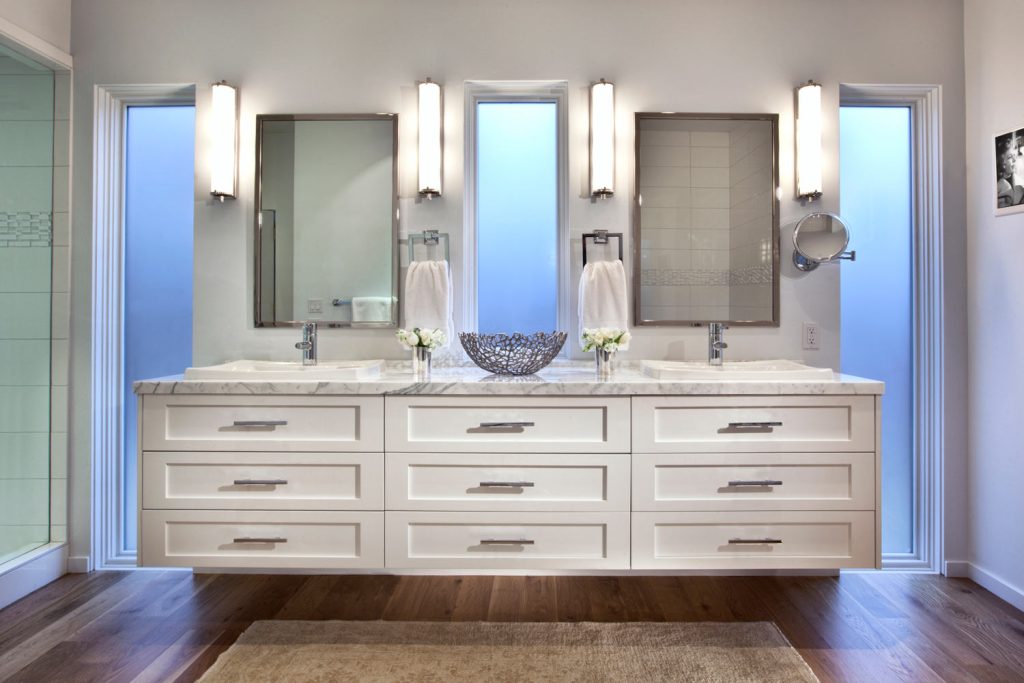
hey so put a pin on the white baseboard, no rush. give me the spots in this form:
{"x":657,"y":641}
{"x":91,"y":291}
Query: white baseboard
{"x":1004,"y":589}
{"x":79,"y":564}
{"x":957,"y":568}
{"x":33,"y":571}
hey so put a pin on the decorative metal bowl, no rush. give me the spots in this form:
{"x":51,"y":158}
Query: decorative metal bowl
{"x":512,"y":354}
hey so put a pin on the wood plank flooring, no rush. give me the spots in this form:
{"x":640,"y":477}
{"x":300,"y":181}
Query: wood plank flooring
{"x":172,"y":625}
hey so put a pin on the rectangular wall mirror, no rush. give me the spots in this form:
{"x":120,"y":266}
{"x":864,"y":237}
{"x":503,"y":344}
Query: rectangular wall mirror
{"x":706,"y":219}
{"x":326,"y":220}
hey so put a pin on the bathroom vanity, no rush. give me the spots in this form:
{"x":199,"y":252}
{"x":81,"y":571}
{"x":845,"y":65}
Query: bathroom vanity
{"x":472,"y":473}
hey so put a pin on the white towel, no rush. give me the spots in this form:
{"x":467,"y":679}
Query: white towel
{"x":603,"y":296}
{"x":371,"y":309}
{"x":428,"y":296}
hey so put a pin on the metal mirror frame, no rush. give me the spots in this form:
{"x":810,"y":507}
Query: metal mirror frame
{"x":638,"y":321}
{"x":805,"y":263}
{"x":257,"y":236}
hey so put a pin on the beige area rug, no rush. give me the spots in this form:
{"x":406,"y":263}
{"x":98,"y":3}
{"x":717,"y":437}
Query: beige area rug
{"x":476,"y":651}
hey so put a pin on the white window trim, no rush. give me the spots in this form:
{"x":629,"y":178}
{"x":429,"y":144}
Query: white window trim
{"x":515,"y":91}
{"x":925,"y":103}
{"x":110,"y":105}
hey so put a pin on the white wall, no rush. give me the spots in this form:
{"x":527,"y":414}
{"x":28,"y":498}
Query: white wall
{"x":333,"y":56}
{"x":995,"y":285}
{"x":47,"y":19}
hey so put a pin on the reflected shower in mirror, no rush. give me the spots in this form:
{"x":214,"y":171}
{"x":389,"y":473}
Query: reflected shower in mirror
{"x":326,"y":222}
{"x":706,"y":224}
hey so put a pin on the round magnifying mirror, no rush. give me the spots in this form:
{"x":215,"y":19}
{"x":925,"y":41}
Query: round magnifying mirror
{"x":819,"y":238}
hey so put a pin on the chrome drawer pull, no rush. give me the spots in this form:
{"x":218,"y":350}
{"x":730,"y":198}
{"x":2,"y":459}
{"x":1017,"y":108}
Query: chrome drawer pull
{"x":260,"y":482}
{"x":260,"y":423}
{"x":250,"y":539}
{"x":753,"y":541}
{"x":506,"y":484}
{"x":754,"y":425}
{"x":506,"y":541}
{"x":756,"y":482}
{"x":504,"y":425}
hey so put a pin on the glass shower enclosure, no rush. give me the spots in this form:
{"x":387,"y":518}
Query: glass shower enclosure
{"x":26,"y":251}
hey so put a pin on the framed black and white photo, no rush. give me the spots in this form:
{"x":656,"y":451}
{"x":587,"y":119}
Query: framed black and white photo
{"x":1009,"y":168}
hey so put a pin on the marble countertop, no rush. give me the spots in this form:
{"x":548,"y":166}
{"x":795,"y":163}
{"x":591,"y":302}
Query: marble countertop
{"x":565,"y":379}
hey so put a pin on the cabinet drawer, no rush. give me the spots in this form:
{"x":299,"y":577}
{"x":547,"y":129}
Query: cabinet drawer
{"x":524,"y":540}
{"x":262,"y":423}
{"x":753,"y":423}
{"x":508,"y":424}
{"x":495,"y":481}
{"x":262,"y":481}
{"x":754,"y":481}
{"x":761,"y":540}
{"x":257,"y":539}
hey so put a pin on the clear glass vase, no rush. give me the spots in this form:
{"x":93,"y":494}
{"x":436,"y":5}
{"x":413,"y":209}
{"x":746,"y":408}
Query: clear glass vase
{"x":604,"y":363}
{"x":421,"y":356}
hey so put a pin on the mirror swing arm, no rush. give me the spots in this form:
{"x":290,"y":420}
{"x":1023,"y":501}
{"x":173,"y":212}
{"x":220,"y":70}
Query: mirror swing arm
{"x":806,"y":265}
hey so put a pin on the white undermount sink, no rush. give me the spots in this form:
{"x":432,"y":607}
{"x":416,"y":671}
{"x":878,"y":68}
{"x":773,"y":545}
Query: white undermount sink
{"x":744,"y":370}
{"x":241,"y":370}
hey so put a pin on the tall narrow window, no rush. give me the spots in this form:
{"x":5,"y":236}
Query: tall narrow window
{"x":517,"y":215}
{"x":159,"y":203}
{"x":877,"y":299}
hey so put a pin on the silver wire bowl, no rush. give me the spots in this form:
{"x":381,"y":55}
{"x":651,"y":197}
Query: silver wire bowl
{"x":512,"y":354}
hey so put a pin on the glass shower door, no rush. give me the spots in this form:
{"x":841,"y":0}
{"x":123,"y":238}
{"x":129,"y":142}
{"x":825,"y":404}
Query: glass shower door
{"x":26,"y":201}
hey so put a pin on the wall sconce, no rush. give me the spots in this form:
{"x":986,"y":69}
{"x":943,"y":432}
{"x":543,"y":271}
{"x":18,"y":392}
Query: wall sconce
{"x":808,"y":141}
{"x":430,"y":159}
{"x":602,"y":139}
{"x":223,"y":141}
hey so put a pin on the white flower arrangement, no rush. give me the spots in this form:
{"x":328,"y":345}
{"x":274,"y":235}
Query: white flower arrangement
{"x":430,"y":339}
{"x":606,"y":339}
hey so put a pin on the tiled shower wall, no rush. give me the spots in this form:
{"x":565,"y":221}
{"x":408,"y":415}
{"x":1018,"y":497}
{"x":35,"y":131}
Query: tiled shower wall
{"x":684,"y":253}
{"x":750,"y":218}
{"x":33,"y":264}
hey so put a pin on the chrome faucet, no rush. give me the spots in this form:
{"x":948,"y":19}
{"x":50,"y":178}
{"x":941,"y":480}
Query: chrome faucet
{"x":308,"y":343}
{"x":716,"y":343}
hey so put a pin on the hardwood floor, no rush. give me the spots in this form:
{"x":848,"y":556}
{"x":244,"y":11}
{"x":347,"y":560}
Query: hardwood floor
{"x":165,"y":626}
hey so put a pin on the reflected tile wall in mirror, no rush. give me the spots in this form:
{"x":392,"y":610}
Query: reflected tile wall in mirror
{"x":706,"y":218}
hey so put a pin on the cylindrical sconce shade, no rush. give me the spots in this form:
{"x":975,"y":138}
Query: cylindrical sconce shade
{"x":602,"y":139}
{"x":808,"y":140}
{"x":223,"y":140}
{"x":430,"y":160}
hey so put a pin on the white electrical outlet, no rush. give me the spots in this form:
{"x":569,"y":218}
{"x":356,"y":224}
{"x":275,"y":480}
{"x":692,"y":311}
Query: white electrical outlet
{"x":314,"y":305}
{"x":810,"y":335}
